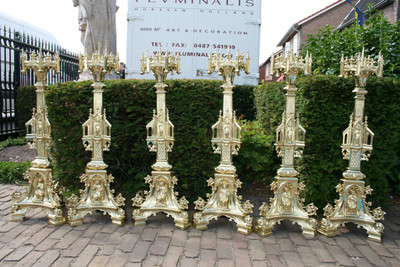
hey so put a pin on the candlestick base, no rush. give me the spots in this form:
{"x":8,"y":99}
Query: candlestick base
{"x":224,"y":201}
{"x":351,"y":207}
{"x":41,"y":192}
{"x":96,"y":196}
{"x":286,"y":205}
{"x":161,"y":198}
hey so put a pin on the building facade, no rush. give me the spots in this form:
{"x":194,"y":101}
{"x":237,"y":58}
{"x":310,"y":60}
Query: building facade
{"x":340,"y":14}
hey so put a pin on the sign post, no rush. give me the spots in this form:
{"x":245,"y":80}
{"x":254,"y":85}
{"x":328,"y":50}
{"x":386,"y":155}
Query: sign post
{"x":203,"y":26}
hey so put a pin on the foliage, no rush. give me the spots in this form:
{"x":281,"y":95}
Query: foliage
{"x":327,"y":103}
{"x":12,"y":172}
{"x":270,"y":104}
{"x":26,"y":101}
{"x":257,"y":160}
{"x":376,"y":35}
{"x":324,"y":104}
{"x":193,"y":109}
{"x":243,"y":102}
{"x":383,"y":111}
{"x":19,"y":141}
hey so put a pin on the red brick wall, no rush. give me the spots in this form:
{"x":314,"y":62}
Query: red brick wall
{"x":333,"y":17}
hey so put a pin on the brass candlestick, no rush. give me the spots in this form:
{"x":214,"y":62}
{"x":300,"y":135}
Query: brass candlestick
{"x":97,"y":138}
{"x":41,"y":191}
{"x":160,"y":139}
{"x":286,"y":204}
{"x":223,"y":200}
{"x":357,"y":146}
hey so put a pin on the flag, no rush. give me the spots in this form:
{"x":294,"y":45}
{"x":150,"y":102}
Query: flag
{"x":360,"y":16}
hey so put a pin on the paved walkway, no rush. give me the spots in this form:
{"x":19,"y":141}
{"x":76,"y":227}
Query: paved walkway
{"x":99,"y":243}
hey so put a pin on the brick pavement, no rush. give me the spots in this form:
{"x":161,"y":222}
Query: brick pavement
{"x":99,"y":243}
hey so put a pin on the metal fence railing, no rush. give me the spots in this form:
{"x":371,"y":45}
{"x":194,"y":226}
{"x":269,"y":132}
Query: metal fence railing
{"x":11,"y":44}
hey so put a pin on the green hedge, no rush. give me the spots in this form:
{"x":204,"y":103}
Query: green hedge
{"x":26,"y":101}
{"x":13,"y":172}
{"x":193,"y":107}
{"x":324,"y":104}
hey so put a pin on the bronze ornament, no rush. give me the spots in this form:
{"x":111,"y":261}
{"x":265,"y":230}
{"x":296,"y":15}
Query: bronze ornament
{"x":97,"y":194}
{"x":286,"y":203}
{"x":224,"y":201}
{"x":160,"y":139}
{"x":42,"y":191}
{"x":356,"y":146}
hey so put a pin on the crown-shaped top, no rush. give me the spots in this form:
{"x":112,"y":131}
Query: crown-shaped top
{"x":40,"y":64}
{"x":361,"y":67}
{"x":291,"y":65}
{"x":228,"y":67}
{"x":99,"y":64}
{"x":161,"y":64}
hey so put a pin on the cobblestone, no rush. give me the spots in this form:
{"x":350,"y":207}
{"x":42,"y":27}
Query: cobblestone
{"x":47,"y":259}
{"x":97,"y":242}
{"x":192,"y":249}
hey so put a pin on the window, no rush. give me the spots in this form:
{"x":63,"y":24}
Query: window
{"x":295,"y":43}
{"x":287,"y":49}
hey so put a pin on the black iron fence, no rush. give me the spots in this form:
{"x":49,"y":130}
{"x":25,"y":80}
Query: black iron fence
{"x":11,"y":44}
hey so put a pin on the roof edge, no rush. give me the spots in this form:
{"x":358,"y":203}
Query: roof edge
{"x":288,"y":33}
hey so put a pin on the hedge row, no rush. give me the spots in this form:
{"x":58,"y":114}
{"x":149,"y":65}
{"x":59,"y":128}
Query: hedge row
{"x":325,"y":104}
{"x":193,"y":107}
{"x":13,"y":172}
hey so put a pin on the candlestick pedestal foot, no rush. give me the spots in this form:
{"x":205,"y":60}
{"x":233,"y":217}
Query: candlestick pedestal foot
{"x":41,"y":192}
{"x":161,"y":198}
{"x":224,"y":201}
{"x":286,"y":205}
{"x":351,"y":207}
{"x":96,"y":196}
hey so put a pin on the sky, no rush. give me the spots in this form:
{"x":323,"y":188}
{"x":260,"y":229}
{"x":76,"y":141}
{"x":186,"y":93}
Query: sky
{"x":60,"y":18}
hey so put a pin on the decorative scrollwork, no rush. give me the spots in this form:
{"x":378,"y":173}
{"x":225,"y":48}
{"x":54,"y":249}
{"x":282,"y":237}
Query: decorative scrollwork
{"x":368,"y":190}
{"x":211,"y":183}
{"x":183,"y":203}
{"x":379,"y":227}
{"x":328,"y":210}
{"x":199,"y":204}
{"x":311,"y":209}
{"x":248,"y":207}
{"x":120,"y":200}
{"x":137,"y":201}
{"x":301,"y":186}
{"x":378,"y":214}
{"x":73,"y":200}
{"x":16,"y":196}
{"x":264,"y":209}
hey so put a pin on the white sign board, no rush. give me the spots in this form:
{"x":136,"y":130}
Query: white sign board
{"x":194,"y":29}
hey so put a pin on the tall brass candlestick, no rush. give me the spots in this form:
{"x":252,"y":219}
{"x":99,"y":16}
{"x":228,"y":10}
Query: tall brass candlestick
{"x":223,"y":200}
{"x":97,"y":138}
{"x":160,"y":139}
{"x":286,"y":204}
{"x":357,"y":146}
{"x":41,"y":191}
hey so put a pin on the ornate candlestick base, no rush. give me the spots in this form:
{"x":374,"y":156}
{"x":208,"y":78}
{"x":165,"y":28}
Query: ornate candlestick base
{"x":161,"y":198}
{"x":351,"y":207}
{"x":96,"y":196}
{"x":41,"y":192}
{"x":224,"y":201}
{"x":356,"y":147}
{"x":160,"y":139}
{"x":286,"y":205}
{"x":290,"y":141}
